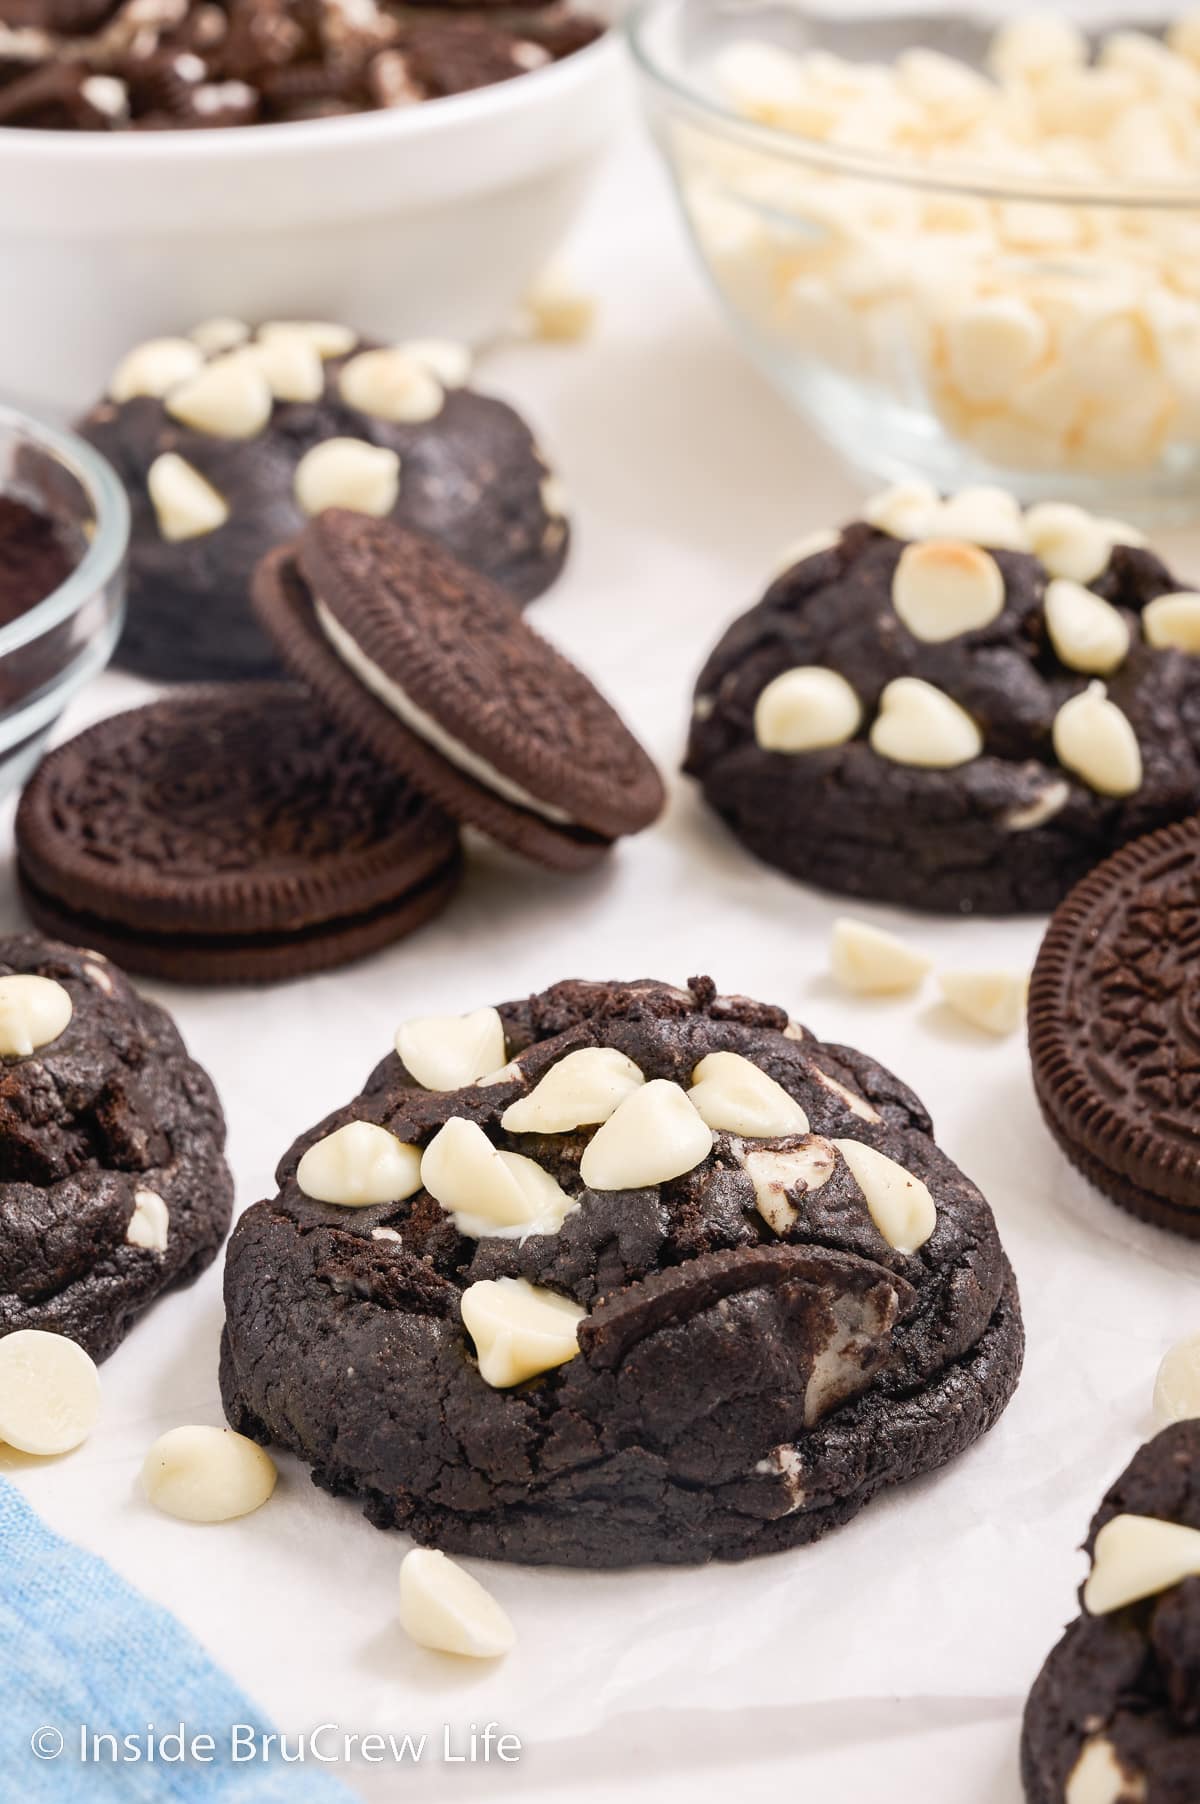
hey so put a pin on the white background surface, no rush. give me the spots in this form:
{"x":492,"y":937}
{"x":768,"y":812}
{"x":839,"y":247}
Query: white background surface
{"x":892,"y":1660}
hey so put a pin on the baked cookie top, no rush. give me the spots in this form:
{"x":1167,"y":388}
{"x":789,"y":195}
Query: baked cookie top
{"x":113,"y":1184}
{"x":617,"y":1222}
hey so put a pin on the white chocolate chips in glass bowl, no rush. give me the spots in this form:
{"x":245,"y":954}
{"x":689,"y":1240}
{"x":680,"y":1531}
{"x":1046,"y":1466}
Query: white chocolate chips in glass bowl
{"x":977,"y":258}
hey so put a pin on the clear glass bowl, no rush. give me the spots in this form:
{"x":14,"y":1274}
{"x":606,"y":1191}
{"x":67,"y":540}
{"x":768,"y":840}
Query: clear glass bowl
{"x":855,"y":277}
{"x":49,"y":652}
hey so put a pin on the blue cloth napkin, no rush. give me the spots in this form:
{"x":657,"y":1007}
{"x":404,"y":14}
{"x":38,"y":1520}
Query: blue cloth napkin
{"x":80,"y":1650}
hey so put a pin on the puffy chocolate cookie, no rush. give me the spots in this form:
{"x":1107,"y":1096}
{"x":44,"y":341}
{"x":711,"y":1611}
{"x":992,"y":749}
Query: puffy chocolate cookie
{"x":622,"y":1272}
{"x":113,"y":1187}
{"x":1114,"y":1717}
{"x":228,"y":445}
{"x":954,"y":706}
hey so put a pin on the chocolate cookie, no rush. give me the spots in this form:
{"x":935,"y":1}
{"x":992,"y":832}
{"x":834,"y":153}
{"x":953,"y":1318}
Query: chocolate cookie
{"x":433,"y":667}
{"x":675,"y":1282}
{"x":954,"y":706}
{"x":1114,"y":1717}
{"x":113,"y":1188}
{"x":228,"y":835}
{"x":1113,"y":1031}
{"x":226,"y":452}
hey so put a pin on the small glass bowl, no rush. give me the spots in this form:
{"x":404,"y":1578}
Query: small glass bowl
{"x":850,"y":275}
{"x":50,"y":651}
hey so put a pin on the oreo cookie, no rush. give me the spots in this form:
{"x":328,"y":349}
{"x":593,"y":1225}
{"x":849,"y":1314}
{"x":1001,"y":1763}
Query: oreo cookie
{"x":1114,"y":1028}
{"x":228,"y":835}
{"x":433,"y":668}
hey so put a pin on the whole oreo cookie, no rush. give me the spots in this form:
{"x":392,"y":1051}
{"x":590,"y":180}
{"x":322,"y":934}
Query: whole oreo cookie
{"x":619,"y":1273}
{"x":1114,"y":1029}
{"x":113,"y":1184}
{"x":228,"y":835}
{"x":1114,"y":1717}
{"x":955,"y":706}
{"x":434,"y":668}
{"x":226,"y":452}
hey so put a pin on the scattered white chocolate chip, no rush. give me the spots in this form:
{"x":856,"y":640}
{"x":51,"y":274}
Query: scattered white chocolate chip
{"x":359,"y":1164}
{"x":220,"y":334}
{"x":805,"y":709}
{"x":444,"y":1608}
{"x":1027,"y":815}
{"x":735,"y":1096}
{"x":489,"y":1192}
{"x":991,"y":1000}
{"x":905,"y":511}
{"x":1172,"y":622}
{"x":944,"y":587}
{"x":983,"y":516}
{"x":993,"y":343}
{"x":1087,"y":633}
{"x":871,"y":962}
{"x":1034,"y":45}
{"x":154,"y":367}
{"x":449,"y":360}
{"x":34,"y":1011}
{"x":203,"y":1474}
{"x":1177,"y":1387}
{"x":857,"y":1105}
{"x":107,"y":94}
{"x":391,"y":385}
{"x":347,"y":472}
{"x":580,"y":1091}
{"x":228,"y":398}
{"x":1095,"y":740}
{"x":653,"y":1136}
{"x":49,"y":1392}
{"x":519,"y":1329}
{"x":186,"y":506}
{"x":447,"y":1052}
{"x":1069,"y":541}
{"x":811,"y":545}
{"x":552,"y":492}
{"x":559,"y":311}
{"x":327,"y":338}
{"x":507,"y":1074}
{"x":292,"y":366}
{"x":385,"y":1234}
{"x":1099,"y":1778}
{"x":1137,"y":1557}
{"x":149,"y":1225}
{"x":922,"y":726}
{"x":777,"y":1173}
{"x":900,"y":1204}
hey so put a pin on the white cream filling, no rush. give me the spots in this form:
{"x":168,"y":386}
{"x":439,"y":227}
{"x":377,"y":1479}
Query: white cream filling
{"x":424,"y":725}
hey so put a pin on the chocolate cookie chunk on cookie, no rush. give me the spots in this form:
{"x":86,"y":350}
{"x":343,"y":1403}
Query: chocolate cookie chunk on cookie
{"x":433,"y":668}
{"x":622,"y":1272}
{"x":954,"y":705}
{"x":1114,"y":1717}
{"x":229,"y":835}
{"x":228,"y":441}
{"x":113,"y":1184}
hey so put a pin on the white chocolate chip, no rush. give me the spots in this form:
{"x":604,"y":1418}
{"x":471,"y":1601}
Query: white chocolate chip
{"x":904,"y":511}
{"x":99,"y":976}
{"x":385,"y":1234}
{"x":1172,"y":622}
{"x":1034,"y":45}
{"x":992,"y":1000}
{"x":107,"y":94}
{"x":805,"y":709}
{"x":229,"y":398}
{"x":1086,"y":632}
{"x":779,"y":1173}
{"x":490,"y":1193}
{"x":857,"y":1105}
{"x":507,"y":1074}
{"x":944,"y":587}
{"x":1069,"y":541}
{"x":221,"y":334}
{"x":982,"y":516}
{"x":992,"y":344}
{"x":1095,"y":740}
{"x":558,"y":311}
{"x":1177,"y":1387}
{"x":582,"y":1090}
{"x":1137,"y":1557}
{"x":327,"y":338}
{"x":203,"y":1474}
{"x":920,"y":725}
{"x":811,"y":545}
{"x":873,"y":963}
{"x":449,"y":360}
{"x":900,"y":1204}
{"x":735,"y":1096}
{"x":34,"y":1011}
{"x":1098,"y":1777}
{"x":347,"y":472}
{"x":444,"y":1608}
{"x":653,"y":1136}
{"x":359,"y":1164}
{"x":519,"y":1329}
{"x":49,"y":1392}
{"x":154,"y":367}
{"x":292,"y":366}
{"x":1043,"y":808}
{"x":149,"y":1225}
{"x":391,"y":385}
{"x":186,"y":506}
{"x":448,"y":1052}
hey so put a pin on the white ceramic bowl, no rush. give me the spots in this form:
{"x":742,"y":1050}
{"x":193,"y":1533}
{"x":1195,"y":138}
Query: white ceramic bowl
{"x":427,"y":219}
